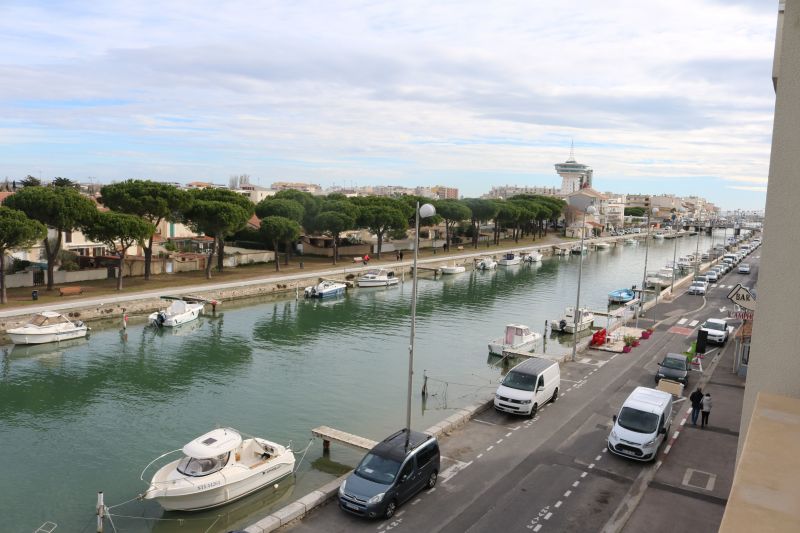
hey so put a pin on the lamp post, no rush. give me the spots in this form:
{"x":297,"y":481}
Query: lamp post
{"x":674,"y":255}
{"x":590,"y":210}
{"x":425,"y":211}
{"x":644,"y":274}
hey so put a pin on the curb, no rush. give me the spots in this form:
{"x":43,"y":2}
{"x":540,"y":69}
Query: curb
{"x":316,"y":498}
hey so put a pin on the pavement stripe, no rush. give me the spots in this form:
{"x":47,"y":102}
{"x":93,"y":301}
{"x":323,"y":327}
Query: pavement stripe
{"x":489,"y":448}
{"x":558,"y":504}
{"x":499,"y":441}
{"x":598,"y":457}
{"x":576,"y":483}
{"x":682,"y":321}
{"x":508,"y":434}
{"x":547,"y":516}
{"x":538,"y":527}
{"x":590,"y":466}
{"x":667,"y":449}
{"x":583,"y":474}
{"x":479,"y":456}
{"x":566,"y":494}
{"x":693,"y":323}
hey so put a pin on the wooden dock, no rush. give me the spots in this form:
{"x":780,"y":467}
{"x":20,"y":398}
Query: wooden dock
{"x":328,"y":434}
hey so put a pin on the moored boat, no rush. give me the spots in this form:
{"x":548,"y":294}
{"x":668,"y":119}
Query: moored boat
{"x":379,"y":277}
{"x":566,"y":324}
{"x":533,"y":257}
{"x":517,"y":337}
{"x":602,"y":245}
{"x":325,"y":289}
{"x":509,"y":259}
{"x":486,"y":263}
{"x":621,"y":296}
{"x":48,"y":326}
{"x":218,"y":468}
{"x":181,"y":309}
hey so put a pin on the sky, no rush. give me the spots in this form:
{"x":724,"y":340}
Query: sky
{"x":658,"y":97}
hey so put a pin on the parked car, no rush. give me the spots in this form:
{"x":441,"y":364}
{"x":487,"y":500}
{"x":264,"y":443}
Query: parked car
{"x":717,"y":329}
{"x":744,"y":268}
{"x":713,"y":276}
{"x":674,"y":366}
{"x":390,"y":474}
{"x":528,"y":386}
{"x":698,"y":287}
{"x":642,"y":424}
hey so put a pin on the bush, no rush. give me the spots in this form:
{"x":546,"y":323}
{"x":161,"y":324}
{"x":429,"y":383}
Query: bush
{"x":19,"y":265}
{"x":629,"y":340}
{"x":170,"y":246}
{"x":68,"y":260}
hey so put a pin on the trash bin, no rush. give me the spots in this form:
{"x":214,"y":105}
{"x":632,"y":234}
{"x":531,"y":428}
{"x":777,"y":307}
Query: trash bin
{"x":34,"y":295}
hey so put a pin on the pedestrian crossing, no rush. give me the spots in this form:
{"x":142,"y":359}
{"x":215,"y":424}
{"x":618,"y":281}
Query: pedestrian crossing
{"x":692,"y":324}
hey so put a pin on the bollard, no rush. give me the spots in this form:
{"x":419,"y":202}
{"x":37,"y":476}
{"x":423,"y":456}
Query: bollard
{"x":100,"y":512}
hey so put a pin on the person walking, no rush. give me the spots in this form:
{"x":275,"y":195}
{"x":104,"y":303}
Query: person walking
{"x":706,"y":410}
{"x":697,"y":403}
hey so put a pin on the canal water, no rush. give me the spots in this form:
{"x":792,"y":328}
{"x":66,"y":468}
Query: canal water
{"x":88,"y":416}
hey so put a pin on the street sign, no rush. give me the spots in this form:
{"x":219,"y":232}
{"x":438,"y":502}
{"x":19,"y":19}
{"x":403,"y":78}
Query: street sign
{"x":741,"y":315}
{"x":742,"y":296}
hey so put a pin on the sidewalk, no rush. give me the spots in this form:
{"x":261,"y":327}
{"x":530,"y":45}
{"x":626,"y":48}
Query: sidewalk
{"x":690,"y":490}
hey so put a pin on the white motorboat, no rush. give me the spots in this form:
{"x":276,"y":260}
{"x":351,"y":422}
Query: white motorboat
{"x":533,"y":257}
{"x":486,"y":263}
{"x":181,"y":309}
{"x":658,"y":236}
{"x":566,"y":324}
{"x":379,"y":277}
{"x":517,"y":337}
{"x":602,"y":245}
{"x":454,"y":269}
{"x":47,"y":326}
{"x":509,"y":259}
{"x":631,"y":241}
{"x":577,"y":249}
{"x":325,"y":289}
{"x":218,"y":468}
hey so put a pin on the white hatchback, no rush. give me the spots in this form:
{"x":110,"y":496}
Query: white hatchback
{"x":744,"y":268}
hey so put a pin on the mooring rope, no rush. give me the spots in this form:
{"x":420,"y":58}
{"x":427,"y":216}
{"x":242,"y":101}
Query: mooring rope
{"x":297,"y":466}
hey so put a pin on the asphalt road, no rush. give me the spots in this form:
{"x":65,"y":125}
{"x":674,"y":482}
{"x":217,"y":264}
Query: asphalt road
{"x":552,"y":473}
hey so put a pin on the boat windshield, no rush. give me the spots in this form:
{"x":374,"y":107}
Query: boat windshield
{"x":378,"y":469}
{"x":520,"y":381}
{"x":190,"y":466}
{"x":638,"y":421}
{"x":42,"y":320}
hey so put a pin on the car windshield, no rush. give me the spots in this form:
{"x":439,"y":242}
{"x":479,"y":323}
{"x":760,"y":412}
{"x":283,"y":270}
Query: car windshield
{"x":638,"y":421}
{"x":674,"y":362}
{"x":518,"y":380}
{"x":378,"y":469}
{"x":715,"y":326}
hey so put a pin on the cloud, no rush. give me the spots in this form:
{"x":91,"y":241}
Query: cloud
{"x":754,"y":188}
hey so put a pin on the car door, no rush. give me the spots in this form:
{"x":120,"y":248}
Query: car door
{"x":407,"y":480}
{"x":541,"y":393}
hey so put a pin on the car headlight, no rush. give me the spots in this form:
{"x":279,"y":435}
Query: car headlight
{"x":525,"y":402}
{"x":613,"y":434}
{"x":646,"y":444}
{"x":497,"y":396}
{"x":377,"y":498}
{"x":341,"y":487}
{"x":660,"y":375}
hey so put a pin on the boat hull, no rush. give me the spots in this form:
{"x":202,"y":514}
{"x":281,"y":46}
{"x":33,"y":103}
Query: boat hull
{"x":43,"y":338}
{"x":497,"y":347}
{"x":378,"y":282}
{"x":453,"y":270}
{"x":509,"y":262}
{"x":582,"y":326}
{"x":177,"y":320}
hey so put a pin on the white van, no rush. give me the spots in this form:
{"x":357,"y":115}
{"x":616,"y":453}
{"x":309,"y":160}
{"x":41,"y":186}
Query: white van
{"x":642,"y":424}
{"x":528,"y":386}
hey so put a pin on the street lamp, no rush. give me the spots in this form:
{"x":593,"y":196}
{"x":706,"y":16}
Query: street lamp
{"x":425,"y":211}
{"x":644,"y":274}
{"x":590,"y":210}
{"x":674,"y":256}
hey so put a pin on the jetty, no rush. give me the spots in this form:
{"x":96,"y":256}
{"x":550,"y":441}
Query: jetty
{"x":328,"y":434}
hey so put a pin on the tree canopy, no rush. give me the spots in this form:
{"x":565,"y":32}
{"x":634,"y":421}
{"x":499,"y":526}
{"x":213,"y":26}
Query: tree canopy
{"x":635,"y":211}
{"x":380,"y":215}
{"x":452,"y":212}
{"x":111,"y":228}
{"x":275,"y":229}
{"x":16,"y":231}
{"x":281,"y":207}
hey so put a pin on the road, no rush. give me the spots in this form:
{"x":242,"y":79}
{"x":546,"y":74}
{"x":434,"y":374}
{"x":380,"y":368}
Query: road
{"x":553,"y":473}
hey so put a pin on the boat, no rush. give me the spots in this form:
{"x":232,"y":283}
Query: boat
{"x":602,"y":245}
{"x":566,"y":324}
{"x":533,"y":257}
{"x":486,"y":263}
{"x":218,"y":468}
{"x":621,"y":296}
{"x":510,"y":259}
{"x":453,"y":269}
{"x":630,"y":241}
{"x":181,"y":309}
{"x":379,"y":277}
{"x":325,"y":289}
{"x":517,"y":337}
{"x":577,"y":249}
{"x":48,"y":326}
{"x":658,"y":236}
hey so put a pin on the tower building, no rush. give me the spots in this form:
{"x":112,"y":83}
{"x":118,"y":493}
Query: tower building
{"x":574,"y":175}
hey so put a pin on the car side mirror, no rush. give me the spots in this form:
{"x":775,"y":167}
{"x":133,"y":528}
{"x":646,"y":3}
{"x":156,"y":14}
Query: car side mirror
{"x":662,"y":431}
{"x":614,"y":418}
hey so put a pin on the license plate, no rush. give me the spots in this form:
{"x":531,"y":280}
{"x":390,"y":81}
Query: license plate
{"x":627,"y":452}
{"x":351,"y":506}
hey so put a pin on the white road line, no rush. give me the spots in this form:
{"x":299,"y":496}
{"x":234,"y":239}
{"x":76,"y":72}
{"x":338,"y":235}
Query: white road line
{"x":489,"y":448}
{"x":499,"y":441}
{"x":598,"y":457}
{"x":569,"y":380}
{"x":675,"y":435}
{"x":683,"y":421}
{"x":693,"y":323}
{"x":576,"y":483}
{"x":515,"y":428}
{"x":401,"y":513}
{"x":415,"y":502}
{"x":479,"y":456}
{"x":538,"y":527}
{"x":667,"y":449}
{"x":583,"y":474}
{"x":558,"y":504}
{"x":590,"y":466}
{"x":605,"y":450}
{"x":433,"y":489}
{"x":566,"y":494}
{"x":682,"y":321}
{"x":508,"y":434}
{"x":547,"y":516}
{"x":485,"y":422}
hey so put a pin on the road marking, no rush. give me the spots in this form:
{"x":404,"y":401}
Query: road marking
{"x":485,"y":422}
{"x":667,"y":449}
{"x":415,"y":502}
{"x":583,"y":474}
{"x":479,"y":456}
{"x":499,"y":441}
{"x":401,"y":513}
{"x":569,"y":380}
{"x":693,"y":323}
{"x":682,"y":321}
{"x":569,"y":389}
{"x":566,"y":494}
{"x":558,"y":504}
{"x":683,"y":421}
{"x":538,"y":527}
{"x":489,"y":448}
{"x":447,"y":474}
{"x":605,"y":450}
{"x":508,"y":434}
{"x":515,"y":428}
{"x":576,"y":483}
{"x":598,"y":458}
{"x":547,"y":516}
{"x":675,"y":435}
{"x":590,"y":466}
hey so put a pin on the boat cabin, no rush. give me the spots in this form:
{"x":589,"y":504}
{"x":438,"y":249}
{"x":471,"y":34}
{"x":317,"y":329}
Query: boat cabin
{"x":48,"y":318}
{"x":209,"y":453}
{"x":516,"y":333}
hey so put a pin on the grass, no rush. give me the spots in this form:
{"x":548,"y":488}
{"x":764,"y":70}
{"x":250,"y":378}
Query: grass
{"x":20,"y":297}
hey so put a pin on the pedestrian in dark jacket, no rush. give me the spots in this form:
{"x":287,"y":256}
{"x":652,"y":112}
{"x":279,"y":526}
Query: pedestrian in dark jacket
{"x":706,"y":410}
{"x":697,"y":403}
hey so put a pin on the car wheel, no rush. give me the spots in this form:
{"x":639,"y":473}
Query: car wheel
{"x":534,"y":408}
{"x":391,"y":507}
{"x":432,"y":479}
{"x":555,"y":396}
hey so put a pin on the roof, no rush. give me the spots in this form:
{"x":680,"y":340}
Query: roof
{"x":717,"y":321}
{"x":213,"y":443}
{"x":394,"y":446}
{"x":534,"y":365}
{"x":4,"y":195}
{"x":588,"y":191}
{"x":644,"y":398}
{"x":254,"y":222}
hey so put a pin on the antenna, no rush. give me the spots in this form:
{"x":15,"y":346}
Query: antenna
{"x":571,"y":150}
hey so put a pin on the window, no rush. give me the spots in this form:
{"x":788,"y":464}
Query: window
{"x":426,"y":454}
{"x":202,"y":467}
{"x":407,"y":469}
{"x":67,"y":236}
{"x":378,"y":469}
{"x":540,"y":385}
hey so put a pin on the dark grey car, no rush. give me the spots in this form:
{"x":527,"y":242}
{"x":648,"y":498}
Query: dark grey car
{"x":675,"y":367}
{"x":392,"y":472}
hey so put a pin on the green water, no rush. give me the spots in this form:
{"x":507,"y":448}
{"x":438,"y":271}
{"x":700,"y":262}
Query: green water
{"x":87,"y":416}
